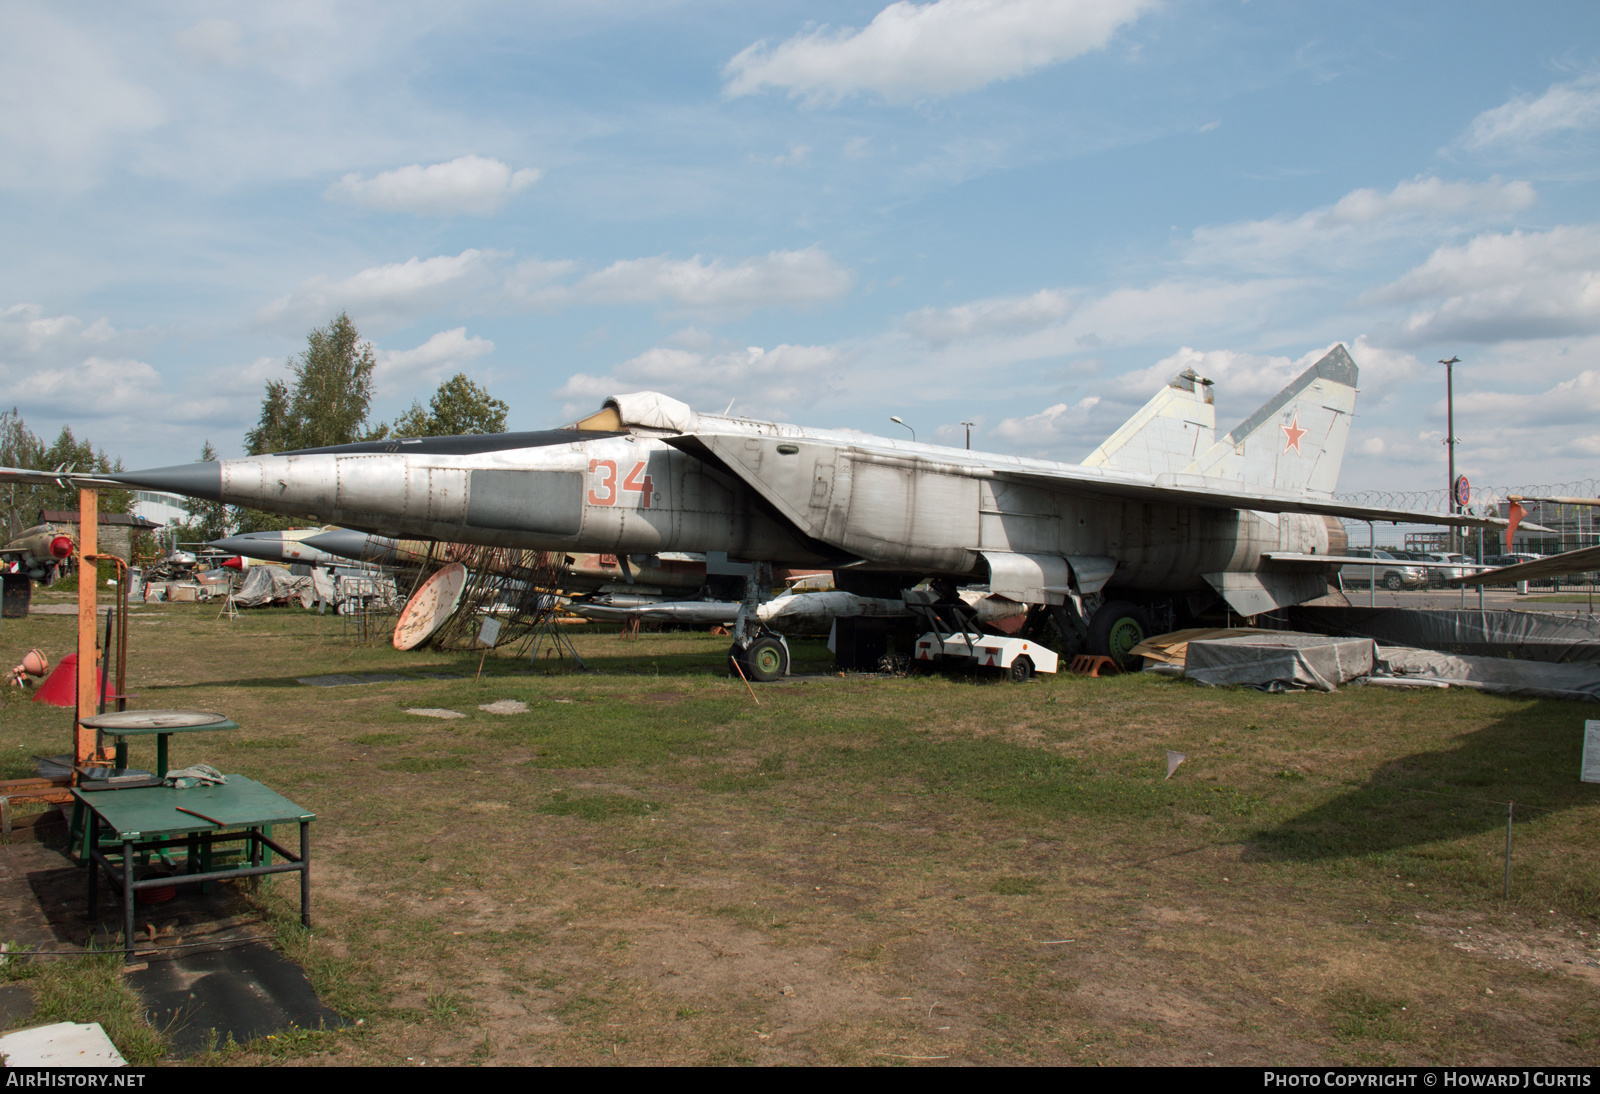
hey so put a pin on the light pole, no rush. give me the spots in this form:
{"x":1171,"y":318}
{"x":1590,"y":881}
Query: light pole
{"x":1450,"y":437}
{"x":897,"y":421}
{"x":969,"y":426}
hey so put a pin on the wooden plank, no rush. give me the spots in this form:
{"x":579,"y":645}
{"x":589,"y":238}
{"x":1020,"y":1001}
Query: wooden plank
{"x":83,"y":740}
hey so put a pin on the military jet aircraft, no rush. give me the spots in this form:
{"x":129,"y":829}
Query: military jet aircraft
{"x":38,"y":552}
{"x":1160,"y":520}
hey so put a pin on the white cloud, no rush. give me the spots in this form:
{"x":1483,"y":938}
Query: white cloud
{"x":1524,"y":121}
{"x":27,"y":333}
{"x":1049,"y":426}
{"x":765,"y":382}
{"x":778,"y":279}
{"x":1358,"y":223}
{"x":401,"y":292}
{"x":1172,"y":310}
{"x":1503,"y":286}
{"x":96,"y":386}
{"x":213,"y":41}
{"x":917,"y":51}
{"x":446,"y":352}
{"x":1000,"y":315}
{"x":63,"y":102}
{"x":379,"y":295}
{"x":467,"y":184}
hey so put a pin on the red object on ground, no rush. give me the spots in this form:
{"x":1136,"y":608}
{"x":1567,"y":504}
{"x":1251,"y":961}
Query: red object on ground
{"x":60,"y":689}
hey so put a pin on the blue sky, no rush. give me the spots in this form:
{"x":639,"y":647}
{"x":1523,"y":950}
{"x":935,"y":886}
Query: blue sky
{"x":1021,"y":213}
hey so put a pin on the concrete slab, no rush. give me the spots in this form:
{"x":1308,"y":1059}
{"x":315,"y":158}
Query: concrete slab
{"x":64,"y":1044}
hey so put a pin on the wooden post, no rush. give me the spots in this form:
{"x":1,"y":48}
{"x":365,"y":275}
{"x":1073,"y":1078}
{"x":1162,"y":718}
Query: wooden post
{"x":83,"y":740}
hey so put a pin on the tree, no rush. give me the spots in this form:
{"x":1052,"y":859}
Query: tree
{"x":208,"y":520}
{"x":327,"y":405}
{"x":20,"y":447}
{"x":458,"y":407}
{"x":331,"y":395}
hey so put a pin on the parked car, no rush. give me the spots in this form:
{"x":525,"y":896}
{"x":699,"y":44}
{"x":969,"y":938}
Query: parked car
{"x":1512,"y":560}
{"x":1438,"y":575}
{"x":1387,"y":570}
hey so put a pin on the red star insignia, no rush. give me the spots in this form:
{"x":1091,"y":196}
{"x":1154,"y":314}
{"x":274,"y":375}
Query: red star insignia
{"x":1294,"y":433}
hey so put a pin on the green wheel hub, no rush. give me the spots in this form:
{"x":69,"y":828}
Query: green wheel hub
{"x":1125,"y":634}
{"x":768,"y":660}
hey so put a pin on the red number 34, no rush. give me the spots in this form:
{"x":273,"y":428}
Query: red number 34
{"x":605,"y":490}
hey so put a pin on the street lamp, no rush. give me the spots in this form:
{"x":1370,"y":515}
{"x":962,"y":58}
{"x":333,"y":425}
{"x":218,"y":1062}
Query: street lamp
{"x":897,"y":421}
{"x":1450,"y":437}
{"x":969,"y":426}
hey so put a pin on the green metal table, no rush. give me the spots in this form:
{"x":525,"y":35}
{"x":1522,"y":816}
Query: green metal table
{"x":148,"y":818}
{"x":161,"y":724}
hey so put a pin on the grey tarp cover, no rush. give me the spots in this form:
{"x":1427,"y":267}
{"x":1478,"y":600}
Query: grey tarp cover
{"x":1280,"y":662}
{"x":1502,"y":675}
{"x":1527,"y":636}
{"x":273,"y":584}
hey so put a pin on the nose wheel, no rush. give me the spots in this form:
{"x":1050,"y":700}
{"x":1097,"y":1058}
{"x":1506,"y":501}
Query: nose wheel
{"x":764,"y":660}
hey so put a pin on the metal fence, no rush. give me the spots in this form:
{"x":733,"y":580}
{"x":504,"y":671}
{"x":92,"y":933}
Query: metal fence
{"x":1571,"y":526}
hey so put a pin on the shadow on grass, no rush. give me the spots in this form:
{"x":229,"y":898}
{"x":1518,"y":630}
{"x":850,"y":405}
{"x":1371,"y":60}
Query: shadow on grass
{"x":1529,"y":756}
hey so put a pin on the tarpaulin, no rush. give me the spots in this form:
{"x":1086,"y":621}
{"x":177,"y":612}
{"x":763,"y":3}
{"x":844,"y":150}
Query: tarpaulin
{"x":1280,"y":662}
{"x":1172,"y":648}
{"x":1501,"y":675}
{"x":274,"y":584}
{"x":1526,"y":636}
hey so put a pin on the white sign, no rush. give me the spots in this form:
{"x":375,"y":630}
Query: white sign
{"x":1591,"y":752}
{"x":489,"y":631}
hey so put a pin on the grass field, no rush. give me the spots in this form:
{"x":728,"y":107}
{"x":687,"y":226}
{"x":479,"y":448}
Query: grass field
{"x":649,"y":867}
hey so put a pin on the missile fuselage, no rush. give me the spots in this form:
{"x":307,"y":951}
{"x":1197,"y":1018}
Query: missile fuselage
{"x":277,"y":547}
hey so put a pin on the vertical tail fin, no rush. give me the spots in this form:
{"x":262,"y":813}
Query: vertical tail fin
{"x":1295,"y":441}
{"x":1167,"y":433}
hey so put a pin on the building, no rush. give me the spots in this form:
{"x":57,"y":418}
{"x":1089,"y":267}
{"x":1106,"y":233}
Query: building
{"x":114,"y":535}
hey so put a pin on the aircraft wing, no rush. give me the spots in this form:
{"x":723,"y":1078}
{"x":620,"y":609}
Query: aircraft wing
{"x":1580,"y":561}
{"x":746,"y":455}
{"x":60,"y":478}
{"x":1225,"y":494}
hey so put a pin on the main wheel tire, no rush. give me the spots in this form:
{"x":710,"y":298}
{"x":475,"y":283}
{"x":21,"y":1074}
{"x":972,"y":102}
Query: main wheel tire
{"x":1115,"y":629}
{"x":766,"y":660}
{"x":1393,"y":582}
{"x":1021,"y":670}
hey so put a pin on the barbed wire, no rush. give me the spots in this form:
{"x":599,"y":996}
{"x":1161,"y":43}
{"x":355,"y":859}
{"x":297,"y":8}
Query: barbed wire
{"x":1434,"y":500}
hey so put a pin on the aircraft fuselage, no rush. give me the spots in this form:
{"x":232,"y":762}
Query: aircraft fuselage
{"x":825,"y":504}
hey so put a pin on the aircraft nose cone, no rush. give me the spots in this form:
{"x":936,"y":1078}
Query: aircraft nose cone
{"x":268,"y":550}
{"x":192,"y":480}
{"x":348,"y":543}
